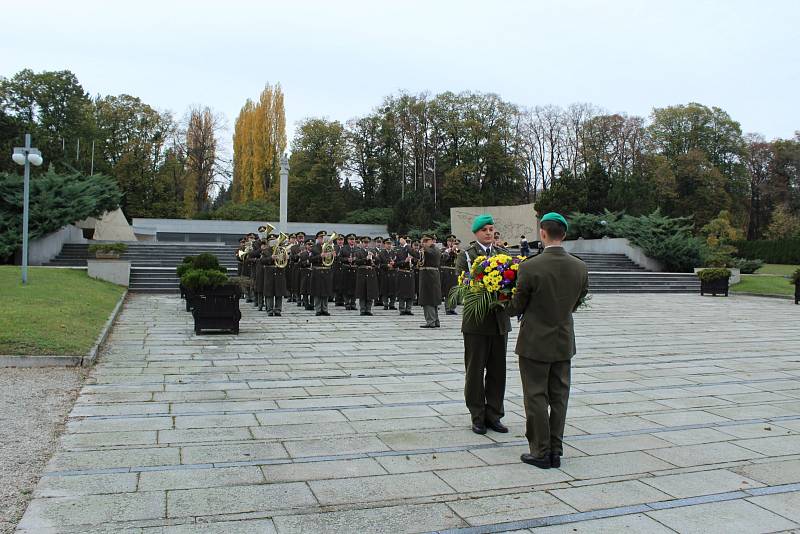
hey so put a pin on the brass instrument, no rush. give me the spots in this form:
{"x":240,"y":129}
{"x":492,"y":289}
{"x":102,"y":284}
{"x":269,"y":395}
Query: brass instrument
{"x":281,"y":251}
{"x":421,"y":262}
{"x":329,"y":246}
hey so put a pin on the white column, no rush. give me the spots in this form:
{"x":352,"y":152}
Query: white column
{"x":284,"y":191}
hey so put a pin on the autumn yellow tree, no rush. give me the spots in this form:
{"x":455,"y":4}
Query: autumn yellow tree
{"x":259,"y":138}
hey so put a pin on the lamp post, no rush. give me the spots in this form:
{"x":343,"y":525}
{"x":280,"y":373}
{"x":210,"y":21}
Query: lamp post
{"x":25,"y":156}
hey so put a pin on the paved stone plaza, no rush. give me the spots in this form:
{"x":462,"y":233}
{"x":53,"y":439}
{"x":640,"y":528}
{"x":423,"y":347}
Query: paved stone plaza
{"x":684,"y":416}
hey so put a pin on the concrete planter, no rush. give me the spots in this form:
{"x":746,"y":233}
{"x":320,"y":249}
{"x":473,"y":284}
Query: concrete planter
{"x":715,"y":287}
{"x":217,"y":309}
{"x":736,"y":274}
{"x":109,"y":255}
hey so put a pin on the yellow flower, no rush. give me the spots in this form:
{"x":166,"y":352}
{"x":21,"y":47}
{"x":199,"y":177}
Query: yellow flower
{"x":515,"y":267}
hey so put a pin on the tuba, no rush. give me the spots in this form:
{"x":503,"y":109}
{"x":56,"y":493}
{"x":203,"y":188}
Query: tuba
{"x":281,"y":251}
{"x":329,"y":246}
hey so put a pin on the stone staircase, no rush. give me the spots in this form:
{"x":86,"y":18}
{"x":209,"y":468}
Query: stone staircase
{"x":153,"y":268}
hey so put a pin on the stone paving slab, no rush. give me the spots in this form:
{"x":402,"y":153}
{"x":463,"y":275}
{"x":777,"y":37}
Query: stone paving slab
{"x":684,"y":416}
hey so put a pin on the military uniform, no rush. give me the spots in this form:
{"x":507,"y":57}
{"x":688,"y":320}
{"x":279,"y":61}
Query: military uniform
{"x":304,"y":266}
{"x":387,"y":276}
{"x":484,"y":352}
{"x":275,"y":287}
{"x":449,"y":276}
{"x":294,"y":272}
{"x":430,"y":285}
{"x":321,"y":280}
{"x":256,"y":273}
{"x":404,"y":278}
{"x":348,"y":273}
{"x":366,"y":289}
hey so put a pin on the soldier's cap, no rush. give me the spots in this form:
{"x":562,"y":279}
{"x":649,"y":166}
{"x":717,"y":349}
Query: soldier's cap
{"x":428,"y":236}
{"x":292,"y":235}
{"x":451,"y":236}
{"x":321,"y":233}
{"x":553,"y":216}
{"x":262,"y":228}
{"x":387,"y":240}
{"x":309,"y":241}
{"x":378,"y":238}
{"x":351,"y":236}
{"x":339,"y":237}
{"x":301,"y":234}
{"x":480,"y":221}
{"x":272,"y":236}
{"x":365,"y":239}
{"x":415,"y":242}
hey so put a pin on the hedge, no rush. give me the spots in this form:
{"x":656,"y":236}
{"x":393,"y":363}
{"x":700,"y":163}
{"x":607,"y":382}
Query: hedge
{"x":786,"y":251}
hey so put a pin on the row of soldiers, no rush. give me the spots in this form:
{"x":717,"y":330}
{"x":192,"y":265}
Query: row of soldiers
{"x":355,"y":272}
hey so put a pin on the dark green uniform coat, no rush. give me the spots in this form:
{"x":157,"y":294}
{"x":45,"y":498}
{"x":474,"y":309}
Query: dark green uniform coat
{"x":430,"y":285}
{"x":321,"y":277}
{"x":366,"y":275}
{"x":274,"y":277}
{"x":388,"y":273}
{"x":404,"y":279}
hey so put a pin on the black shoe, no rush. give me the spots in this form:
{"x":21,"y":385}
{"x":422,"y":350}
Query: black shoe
{"x":326,"y":314}
{"x":555,"y":459}
{"x":386,"y":307}
{"x":299,"y":304}
{"x":363,"y":313}
{"x":318,"y":314}
{"x":541,"y":463}
{"x":368,"y":313}
{"x":451,"y":312}
{"x":310,"y":308}
{"x":409,"y":313}
{"x":427,"y":326}
{"x":249,"y":300}
{"x":340,"y":303}
{"x":392,"y":307}
{"x":261,"y":308}
{"x":270,"y":314}
{"x":479,"y":428}
{"x":277,"y":314}
{"x":497,"y":426}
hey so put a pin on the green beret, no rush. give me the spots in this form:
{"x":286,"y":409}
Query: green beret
{"x":553,"y":216}
{"x":481,"y":221}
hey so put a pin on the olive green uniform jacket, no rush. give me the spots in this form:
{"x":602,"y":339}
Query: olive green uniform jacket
{"x":550,"y":288}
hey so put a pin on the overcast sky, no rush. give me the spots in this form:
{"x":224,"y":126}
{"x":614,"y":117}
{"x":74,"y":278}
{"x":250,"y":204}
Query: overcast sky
{"x":338,"y":59}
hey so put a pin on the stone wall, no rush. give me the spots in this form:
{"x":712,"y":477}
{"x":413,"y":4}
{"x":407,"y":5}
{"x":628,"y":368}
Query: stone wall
{"x":46,"y":248}
{"x":511,"y":221}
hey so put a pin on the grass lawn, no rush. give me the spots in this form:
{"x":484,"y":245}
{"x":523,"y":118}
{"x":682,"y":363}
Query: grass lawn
{"x":764,"y":285}
{"x":774,"y":268}
{"x":60,"y":311}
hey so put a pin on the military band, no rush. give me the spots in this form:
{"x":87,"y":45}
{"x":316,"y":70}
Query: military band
{"x":355,"y":272}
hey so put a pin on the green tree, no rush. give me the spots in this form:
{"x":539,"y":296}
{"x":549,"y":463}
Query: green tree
{"x":318,"y":156}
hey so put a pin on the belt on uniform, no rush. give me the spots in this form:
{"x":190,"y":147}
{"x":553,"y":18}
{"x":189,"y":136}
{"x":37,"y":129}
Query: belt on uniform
{"x":318,"y":267}
{"x":433,"y":268}
{"x":365,"y":267}
{"x":451,"y":268}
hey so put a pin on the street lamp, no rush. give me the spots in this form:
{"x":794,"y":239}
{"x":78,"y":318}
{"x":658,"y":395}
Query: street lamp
{"x":26,"y":155}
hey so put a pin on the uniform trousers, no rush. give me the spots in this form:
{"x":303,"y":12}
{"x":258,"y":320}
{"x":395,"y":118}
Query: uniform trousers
{"x":485,"y":380}
{"x":545,"y":384}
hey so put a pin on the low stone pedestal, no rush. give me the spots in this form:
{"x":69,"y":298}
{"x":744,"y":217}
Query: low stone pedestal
{"x":114,"y":271}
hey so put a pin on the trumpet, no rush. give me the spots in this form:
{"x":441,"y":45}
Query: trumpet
{"x":328,"y":247}
{"x":281,"y":252}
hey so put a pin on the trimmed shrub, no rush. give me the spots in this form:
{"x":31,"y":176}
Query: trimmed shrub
{"x":710,"y":275}
{"x":108,"y":247}
{"x":746,"y":266}
{"x":786,"y":251}
{"x":208,"y":261}
{"x":196,"y":279}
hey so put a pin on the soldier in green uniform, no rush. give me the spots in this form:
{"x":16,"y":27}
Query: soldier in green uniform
{"x":366,"y":276}
{"x":404,"y":259}
{"x":258,"y":280}
{"x":415,"y":249}
{"x":256,"y":272}
{"x":484,"y":342}
{"x":295,"y":247}
{"x":550,"y":287}
{"x":338,"y":272}
{"x":304,"y":266}
{"x":376,"y":247}
{"x":274,"y":280}
{"x":448,"y":272}
{"x":430,"y":285}
{"x":347,"y":257}
{"x":321,"y":279}
{"x":388,"y":271}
